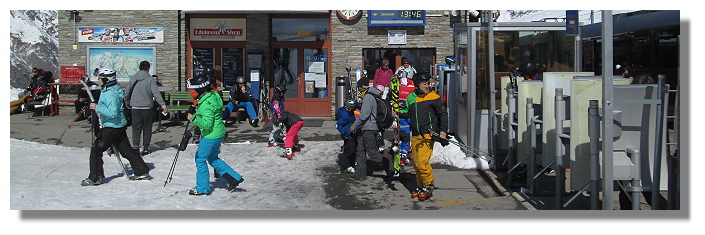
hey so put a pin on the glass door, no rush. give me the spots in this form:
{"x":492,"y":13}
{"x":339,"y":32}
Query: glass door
{"x":306,"y":78}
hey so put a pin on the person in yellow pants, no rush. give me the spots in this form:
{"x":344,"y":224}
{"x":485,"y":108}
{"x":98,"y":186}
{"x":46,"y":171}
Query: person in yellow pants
{"x":427,"y":115}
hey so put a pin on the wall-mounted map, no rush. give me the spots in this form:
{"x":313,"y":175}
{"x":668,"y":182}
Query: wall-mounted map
{"x":124,"y":60}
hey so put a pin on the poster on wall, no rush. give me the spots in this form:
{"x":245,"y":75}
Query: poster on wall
{"x":121,"y":34}
{"x":124,"y":60}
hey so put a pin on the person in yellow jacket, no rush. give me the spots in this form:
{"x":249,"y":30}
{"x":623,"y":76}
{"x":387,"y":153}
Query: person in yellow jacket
{"x":427,"y":116}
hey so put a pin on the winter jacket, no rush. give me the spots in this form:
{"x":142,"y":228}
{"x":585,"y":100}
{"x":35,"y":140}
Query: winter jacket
{"x":288,"y":119}
{"x":277,"y":104}
{"x":345,"y":120}
{"x":237,"y":95}
{"x":383,"y":77}
{"x":369,"y":109}
{"x":144,"y":92}
{"x":209,"y":116}
{"x":426,"y":112}
{"x":110,"y":107}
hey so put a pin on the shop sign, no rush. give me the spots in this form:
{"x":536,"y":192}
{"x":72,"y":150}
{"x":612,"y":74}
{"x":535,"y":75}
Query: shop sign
{"x":121,"y":34}
{"x":218,"y":29}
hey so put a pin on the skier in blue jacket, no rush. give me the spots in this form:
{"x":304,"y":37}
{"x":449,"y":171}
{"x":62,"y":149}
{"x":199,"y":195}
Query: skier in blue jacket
{"x":346,"y":117}
{"x":113,"y":132}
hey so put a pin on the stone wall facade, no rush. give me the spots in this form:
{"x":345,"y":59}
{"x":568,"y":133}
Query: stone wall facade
{"x":167,"y":53}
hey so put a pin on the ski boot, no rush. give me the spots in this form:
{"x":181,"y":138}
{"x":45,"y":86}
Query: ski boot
{"x":88,"y":181}
{"x":140,"y":177}
{"x":297,"y":148}
{"x":271,"y":144}
{"x":289,"y":154}
{"x":232,"y":183}
{"x":197,"y":193}
{"x":349,"y":170}
{"x":426,"y":193}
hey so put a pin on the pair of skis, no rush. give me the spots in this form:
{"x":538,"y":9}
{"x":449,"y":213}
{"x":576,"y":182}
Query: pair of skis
{"x":112,"y":151}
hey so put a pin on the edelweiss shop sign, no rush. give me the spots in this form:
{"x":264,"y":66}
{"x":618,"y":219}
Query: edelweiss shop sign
{"x":220,"y":29}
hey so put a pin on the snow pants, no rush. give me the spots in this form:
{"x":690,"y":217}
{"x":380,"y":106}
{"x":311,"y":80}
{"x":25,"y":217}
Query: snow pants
{"x":108,"y":138}
{"x":367,"y":147}
{"x":207,"y":153}
{"x":249,"y":107}
{"x":421,"y":151}
{"x":292,"y":135}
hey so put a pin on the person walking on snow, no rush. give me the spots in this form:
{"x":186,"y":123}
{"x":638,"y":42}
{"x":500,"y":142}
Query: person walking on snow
{"x":141,"y":92}
{"x":209,"y":118}
{"x":113,"y":132}
{"x":426,"y":114}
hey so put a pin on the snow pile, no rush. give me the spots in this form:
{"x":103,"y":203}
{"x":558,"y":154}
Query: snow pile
{"x":452,"y":155}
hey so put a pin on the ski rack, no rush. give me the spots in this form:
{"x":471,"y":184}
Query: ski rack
{"x":465,"y":148}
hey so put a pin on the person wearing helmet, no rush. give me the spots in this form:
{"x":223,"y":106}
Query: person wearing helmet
{"x":276,"y":107}
{"x":240,"y":97}
{"x":209,"y":119}
{"x":427,"y":115}
{"x":141,"y":93}
{"x":529,"y":70}
{"x":110,"y":108}
{"x":450,"y":60}
{"x":346,"y":118}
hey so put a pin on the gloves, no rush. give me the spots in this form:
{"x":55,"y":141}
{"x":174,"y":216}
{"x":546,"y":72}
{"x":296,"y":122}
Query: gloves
{"x":443,"y":142}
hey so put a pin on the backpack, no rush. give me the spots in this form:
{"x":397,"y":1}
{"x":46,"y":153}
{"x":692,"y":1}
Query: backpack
{"x":384,"y":114}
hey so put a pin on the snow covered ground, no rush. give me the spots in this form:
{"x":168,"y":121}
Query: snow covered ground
{"x":47,"y":177}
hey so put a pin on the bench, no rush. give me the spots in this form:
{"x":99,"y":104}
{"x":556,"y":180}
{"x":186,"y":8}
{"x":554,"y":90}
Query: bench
{"x":179,"y":101}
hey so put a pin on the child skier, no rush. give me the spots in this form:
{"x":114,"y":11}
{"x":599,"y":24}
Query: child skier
{"x":346,"y":117}
{"x":293,"y":124}
{"x":276,"y":107}
{"x":209,"y":119}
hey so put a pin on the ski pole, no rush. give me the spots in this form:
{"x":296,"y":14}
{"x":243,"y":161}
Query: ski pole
{"x":83,"y":110}
{"x":465,"y":148}
{"x":182,"y":146}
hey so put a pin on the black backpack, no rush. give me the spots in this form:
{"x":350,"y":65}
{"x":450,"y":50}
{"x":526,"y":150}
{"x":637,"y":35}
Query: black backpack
{"x":384,"y":114}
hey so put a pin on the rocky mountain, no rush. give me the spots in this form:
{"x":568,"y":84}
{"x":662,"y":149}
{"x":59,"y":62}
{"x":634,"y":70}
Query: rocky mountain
{"x":33,"y":43}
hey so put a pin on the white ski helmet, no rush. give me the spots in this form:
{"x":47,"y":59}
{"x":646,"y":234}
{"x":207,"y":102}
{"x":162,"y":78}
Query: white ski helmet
{"x":107,"y":74}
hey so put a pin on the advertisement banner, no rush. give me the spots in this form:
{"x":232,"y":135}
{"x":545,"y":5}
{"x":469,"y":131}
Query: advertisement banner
{"x":121,"y":34}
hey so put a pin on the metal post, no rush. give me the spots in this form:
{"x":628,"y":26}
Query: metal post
{"x":594,"y":134}
{"x":531,"y":168}
{"x":656,"y":183}
{"x":607,"y":102}
{"x":490,"y":59}
{"x":560,"y":116}
{"x":511,"y":112}
{"x":636,"y":176}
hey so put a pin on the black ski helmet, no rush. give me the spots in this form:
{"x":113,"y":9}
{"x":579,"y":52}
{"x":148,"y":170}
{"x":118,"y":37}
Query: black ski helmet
{"x":239,"y":80}
{"x":200,"y":84}
{"x":280,"y":89}
{"x":423,"y":77}
{"x":528,"y":68}
{"x":350,"y":104}
{"x":450,"y":59}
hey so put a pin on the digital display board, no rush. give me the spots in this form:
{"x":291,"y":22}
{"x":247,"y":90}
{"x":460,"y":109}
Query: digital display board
{"x":396,"y":18}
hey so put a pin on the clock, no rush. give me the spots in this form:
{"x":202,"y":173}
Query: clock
{"x":349,"y":14}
